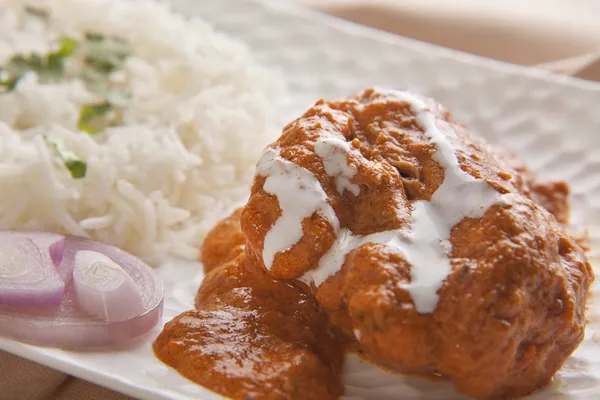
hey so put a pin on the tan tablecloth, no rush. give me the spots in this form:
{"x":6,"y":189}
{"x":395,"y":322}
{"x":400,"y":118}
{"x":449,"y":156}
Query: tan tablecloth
{"x":498,"y":30}
{"x":558,"y":35}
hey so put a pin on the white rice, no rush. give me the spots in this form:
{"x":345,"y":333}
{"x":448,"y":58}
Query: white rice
{"x":201,"y":112}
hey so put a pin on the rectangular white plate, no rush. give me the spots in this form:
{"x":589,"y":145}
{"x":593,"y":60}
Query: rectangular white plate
{"x":552,"y":121}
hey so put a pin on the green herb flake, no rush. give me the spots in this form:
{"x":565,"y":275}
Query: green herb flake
{"x":49,"y":68}
{"x":8,"y":85}
{"x":56,"y":60}
{"x":76,"y":166}
{"x":104,"y":53}
{"x":19,"y":65}
{"x":67,"y":46}
{"x":37,"y":12}
{"x":103,"y":56}
{"x":94,"y":78}
{"x":92,"y":117}
{"x":91,"y":36}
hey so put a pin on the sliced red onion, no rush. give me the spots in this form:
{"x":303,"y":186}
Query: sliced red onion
{"x":27,"y":274}
{"x":56,"y":251}
{"x":53,"y":241}
{"x":103,"y":289}
{"x":68,"y":325}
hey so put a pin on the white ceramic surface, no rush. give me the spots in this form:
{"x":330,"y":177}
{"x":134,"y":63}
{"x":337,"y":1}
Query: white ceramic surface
{"x":552,"y":121}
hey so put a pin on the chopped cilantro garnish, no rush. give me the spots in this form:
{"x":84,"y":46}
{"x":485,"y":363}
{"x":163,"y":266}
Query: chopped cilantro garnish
{"x":19,"y":65}
{"x":96,"y":80}
{"x":76,"y":166}
{"x":6,"y":85}
{"x":102,"y":56}
{"x":67,"y":46}
{"x":92,"y":117}
{"x":105,"y":54}
{"x":91,"y":36}
{"x":49,"y":68}
{"x":37,"y":12}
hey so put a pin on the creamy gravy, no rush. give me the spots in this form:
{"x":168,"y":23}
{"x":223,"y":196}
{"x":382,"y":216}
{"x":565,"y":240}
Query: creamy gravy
{"x":424,"y":244}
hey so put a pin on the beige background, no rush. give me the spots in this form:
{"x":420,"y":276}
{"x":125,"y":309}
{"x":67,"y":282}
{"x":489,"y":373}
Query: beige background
{"x":560,"y":35}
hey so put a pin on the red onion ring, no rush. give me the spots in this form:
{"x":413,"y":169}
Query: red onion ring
{"x":66,"y":325}
{"x":27,"y":273}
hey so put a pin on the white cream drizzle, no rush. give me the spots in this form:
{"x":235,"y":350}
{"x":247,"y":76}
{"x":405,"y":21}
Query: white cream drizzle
{"x":424,"y":244}
{"x":334,"y":153}
{"x":300,"y":195}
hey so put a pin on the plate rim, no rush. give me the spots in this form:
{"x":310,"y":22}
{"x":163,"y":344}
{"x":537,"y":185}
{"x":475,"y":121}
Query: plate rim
{"x":349,"y":27}
{"x":311,"y":16}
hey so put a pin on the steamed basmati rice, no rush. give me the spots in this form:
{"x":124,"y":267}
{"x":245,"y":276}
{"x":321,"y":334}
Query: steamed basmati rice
{"x":201,"y":111}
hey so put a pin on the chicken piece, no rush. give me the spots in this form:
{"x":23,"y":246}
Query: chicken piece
{"x":223,"y":243}
{"x":254,"y":337}
{"x":553,"y":196}
{"x":425,"y":245}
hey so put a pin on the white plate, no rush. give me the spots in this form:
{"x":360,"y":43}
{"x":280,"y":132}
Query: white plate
{"x":552,"y":121}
